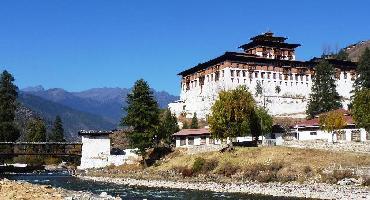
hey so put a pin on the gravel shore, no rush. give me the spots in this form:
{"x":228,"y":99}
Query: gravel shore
{"x":314,"y":190}
{"x":22,"y":190}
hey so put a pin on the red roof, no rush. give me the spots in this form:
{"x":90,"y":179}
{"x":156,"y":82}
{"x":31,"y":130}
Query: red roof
{"x":315,"y":121}
{"x":185,"y":132}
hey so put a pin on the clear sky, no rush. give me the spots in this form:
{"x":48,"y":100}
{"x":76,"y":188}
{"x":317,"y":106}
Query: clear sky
{"x":77,"y":45}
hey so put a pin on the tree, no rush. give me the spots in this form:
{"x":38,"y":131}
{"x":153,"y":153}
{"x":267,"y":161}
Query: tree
{"x":167,"y":127}
{"x":266,"y":120}
{"x":8,"y":105}
{"x":332,"y":121}
{"x":363,"y":70}
{"x":341,"y":55}
{"x":233,"y":114}
{"x":185,"y":125}
{"x":142,"y":116}
{"x":36,"y":131}
{"x":57,"y":133}
{"x":361,"y":107}
{"x":324,"y":96}
{"x":277,"y":89}
{"x":194,"y":122}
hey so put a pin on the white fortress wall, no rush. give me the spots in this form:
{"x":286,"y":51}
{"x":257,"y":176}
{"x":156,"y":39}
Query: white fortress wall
{"x":292,"y":99}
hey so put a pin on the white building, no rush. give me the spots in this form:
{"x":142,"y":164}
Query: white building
{"x":96,"y":151}
{"x":310,"y":130}
{"x":267,"y":60}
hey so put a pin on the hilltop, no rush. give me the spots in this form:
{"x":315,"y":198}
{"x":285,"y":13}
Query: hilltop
{"x":355,"y":50}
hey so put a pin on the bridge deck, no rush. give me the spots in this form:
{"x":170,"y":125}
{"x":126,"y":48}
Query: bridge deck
{"x":40,"y":148}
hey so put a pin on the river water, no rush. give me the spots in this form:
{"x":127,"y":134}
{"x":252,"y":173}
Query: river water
{"x":64,"y":180}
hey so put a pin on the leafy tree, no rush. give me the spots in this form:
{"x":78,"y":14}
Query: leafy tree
{"x":324,"y":96}
{"x":266,"y":120}
{"x":8,"y":104}
{"x":277,"y":89}
{"x":341,"y":55}
{"x":259,"y":89}
{"x":142,"y":116}
{"x":233,"y":114}
{"x":194,"y":122}
{"x":36,"y":131}
{"x":332,"y":121}
{"x":363,"y":70}
{"x":57,"y":133}
{"x":185,"y":125}
{"x":167,"y":127}
{"x":361,"y":107}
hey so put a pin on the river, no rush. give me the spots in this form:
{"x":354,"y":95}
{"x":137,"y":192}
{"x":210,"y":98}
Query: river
{"x":64,"y":180}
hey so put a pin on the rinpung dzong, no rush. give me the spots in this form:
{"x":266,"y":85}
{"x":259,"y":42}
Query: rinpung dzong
{"x":268,"y":61}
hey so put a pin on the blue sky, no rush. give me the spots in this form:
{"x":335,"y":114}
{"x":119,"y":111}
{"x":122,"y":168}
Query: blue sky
{"x":77,"y":45}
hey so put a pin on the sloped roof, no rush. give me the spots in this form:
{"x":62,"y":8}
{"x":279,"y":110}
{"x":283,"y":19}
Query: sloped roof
{"x":186,"y":132}
{"x":315,"y":121}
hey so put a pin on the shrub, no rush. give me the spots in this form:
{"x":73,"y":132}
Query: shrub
{"x":210,"y":165}
{"x":266,"y":176}
{"x":336,"y":176}
{"x":198,"y":164}
{"x":227,"y":169}
{"x":286,"y":175}
{"x":366,"y":181}
{"x":52,"y":161}
{"x":186,"y":172}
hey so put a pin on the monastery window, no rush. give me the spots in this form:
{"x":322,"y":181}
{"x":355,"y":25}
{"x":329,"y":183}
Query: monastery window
{"x":195,"y":83}
{"x":296,"y":77}
{"x":280,"y":76}
{"x":274,"y":75}
{"x":223,"y":73}
{"x":307,"y":77}
{"x":207,"y":78}
{"x":280,"y":82}
{"x":345,"y":75}
{"x":307,"y":84}
{"x":243,"y":73}
{"x":238,"y":80}
{"x":268,"y":75}
{"x":291,"y":83}
{"x":232,"y":80}
{"x":256,"y":74}
{"x":237,"y":73}
{"x":291,"y":76}
{"x":286,"y":83}
{"x":232,"y":72}
{"x":217,"y":76}
{"x":262,"y":74}
{"x":262,"y":82}
{"x":301,"y":77}
{"x":245,"y":80}
{"x":211,"y":77}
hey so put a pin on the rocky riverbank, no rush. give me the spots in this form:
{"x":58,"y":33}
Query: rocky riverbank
{"x":22,"y":190}
{"x":314,"y":190}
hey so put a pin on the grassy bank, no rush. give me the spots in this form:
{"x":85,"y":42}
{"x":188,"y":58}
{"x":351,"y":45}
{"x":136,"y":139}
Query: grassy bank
{"x":262,"y":164}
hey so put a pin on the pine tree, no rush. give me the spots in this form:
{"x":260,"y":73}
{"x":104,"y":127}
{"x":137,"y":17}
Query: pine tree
{"x":8,"y":105}
{"x":167,"y":127}
{"x":57,"y":133}
{"x":36,"y":131}
{"x":194,"y":122}
{"x":324,"y":96}
{"x":363,"y":70}
{"x":142,"y":116}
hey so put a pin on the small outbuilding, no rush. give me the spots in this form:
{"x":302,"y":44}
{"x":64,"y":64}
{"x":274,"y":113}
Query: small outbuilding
{"x":192,"y":137}
{"x":310,"y":130}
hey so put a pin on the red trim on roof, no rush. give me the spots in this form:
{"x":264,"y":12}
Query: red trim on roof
{"x":185,"y":132}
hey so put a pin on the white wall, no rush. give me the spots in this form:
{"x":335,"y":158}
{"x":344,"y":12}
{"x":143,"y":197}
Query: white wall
{"x":292,"y":99}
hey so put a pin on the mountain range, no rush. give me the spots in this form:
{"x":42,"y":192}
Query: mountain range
{"x":97,"y":108}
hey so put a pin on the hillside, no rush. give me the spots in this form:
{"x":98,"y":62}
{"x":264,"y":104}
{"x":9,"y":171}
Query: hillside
{"x":355,"y":50}
{"x":73,"y":120}
{"x":104,"y":102}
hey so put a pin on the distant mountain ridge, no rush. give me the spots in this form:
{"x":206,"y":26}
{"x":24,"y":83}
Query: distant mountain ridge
{"x":356,"y":50}
{"x":97,"y":108}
